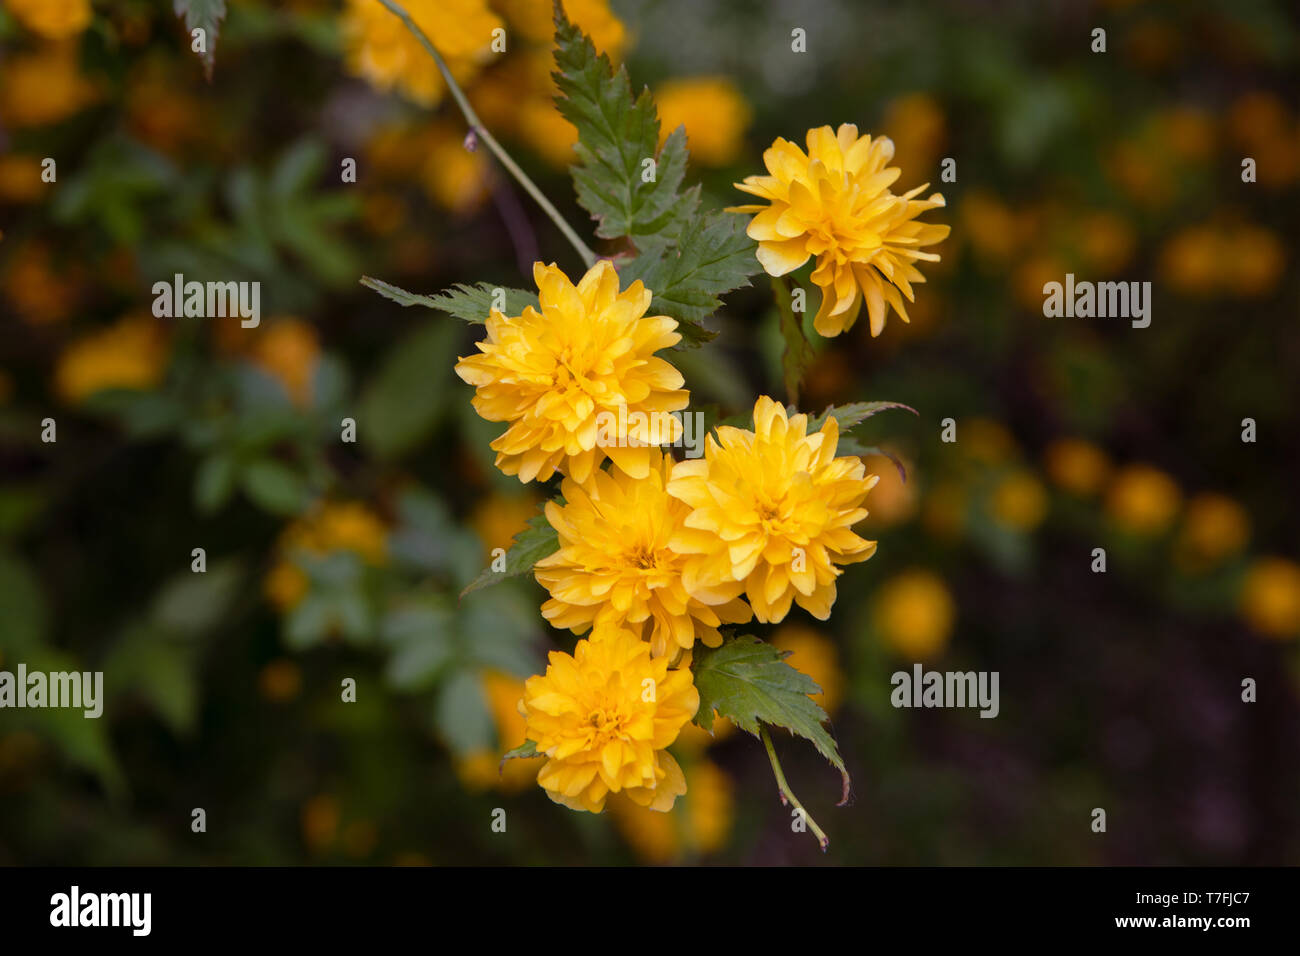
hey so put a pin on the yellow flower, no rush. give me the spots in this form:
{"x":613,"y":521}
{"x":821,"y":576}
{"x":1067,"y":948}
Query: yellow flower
{"x":1214,"y":528}
{"x":834,"y":203}
{"x":52,"y":19}
{"x":498,"y":518}
{"x":535,"y":20}
{"x":703,"y":828}
{"x":893,"y":501}
{"x":913,"y":613}
{"x":40,"y":288}
{"x":1019,"y":501}
{"x":330,"y":527}
{"x":1078,"y":466}
{"x":1143,"y":499}
{"x":615,"y":566}
{"x":1270,"y":597}
{"x":773,"y":508}
{"x":712,"y":110}
{"x":812,"y":653}
{"x":916,"y":125}
{"x":20,"y":178}
{"x":578,"y":381}
{"x":131,"y":354}
{"x":285,"y":585}
{"x":43,"y":87}
{"x":383,"y":51}
{"x":604,"y":717}
{"x":453,"y":177}
{"x":289,"y":351}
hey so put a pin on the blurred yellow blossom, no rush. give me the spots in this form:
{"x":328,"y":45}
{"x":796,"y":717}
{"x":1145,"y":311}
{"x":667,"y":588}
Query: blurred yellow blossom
{"x":1143,"y":499}
{"x":455,"y":178}
{"x":1262,"y":127}
{"x":812,"y":653}
{"x":703,"y":827}
{"x":1077,"y":466}
{"x":43,"y":87}
{"x":1106,"y":242}
{"x":913,"y":614}
{"x":1238,"y":259}
{"x":289,"y":351}
{"x":20,"y":178}
{"x":915,"y":122}
{"x":382,"y":50}
{"x":280,"y":680}
{"x":534,"y":19}
{"x":485,"y":769}
{"x":985,"y":440}
{"x":38,"y":289}
{"x":130,"y":354}
{"x":714,"y":113}
{"x":1019,"y":501}
{"x":52,"y":19}
{"x":327,"y":528}
{"x":893,"y":500}
{"x":320,"y":821}
{"x":1214,"y":528}
{"x":498,"y":518}
{"x":1270,"y":597}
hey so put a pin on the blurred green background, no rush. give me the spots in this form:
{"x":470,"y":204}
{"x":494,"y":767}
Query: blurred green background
{"x":328,"y":560}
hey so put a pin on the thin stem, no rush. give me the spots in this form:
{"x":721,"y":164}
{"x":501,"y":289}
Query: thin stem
{"x":475,"y":124}
{"x":783,"y":788}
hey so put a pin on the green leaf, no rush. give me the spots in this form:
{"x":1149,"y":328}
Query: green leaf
{"x":402,"y":404}
{"x":190,"y":603}
{"x":525,"y":750}
{"x":748,"y":681}
{"x":854,"y":414}
{"x":214,"y":482}
{"x":469,"y":302}
{"x":711,"y":256}
{"x":532,"y":544}
{"x":616,"y":135}
{"x":799,"y":352}
{"x":206,"y":15}
{"x":24,"y":611}
{"x":274,"y":487}
{"x":461,"y":714}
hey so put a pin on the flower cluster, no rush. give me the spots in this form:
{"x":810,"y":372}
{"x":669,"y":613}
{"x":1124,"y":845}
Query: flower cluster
{"x":653,"y":553}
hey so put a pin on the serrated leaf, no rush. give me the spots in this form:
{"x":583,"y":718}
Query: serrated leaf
{"x":532,"y":544}
{"x":207,"y":16}
{"x":799,"y":353}
{"x":617,"y":133}
{"x":712,"y":255}
{"x":748,"y":681}
{"x":472,"y":303}
{"x":854,"y":414}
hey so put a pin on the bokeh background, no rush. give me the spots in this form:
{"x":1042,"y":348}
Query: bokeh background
{"x":328,"y":560}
